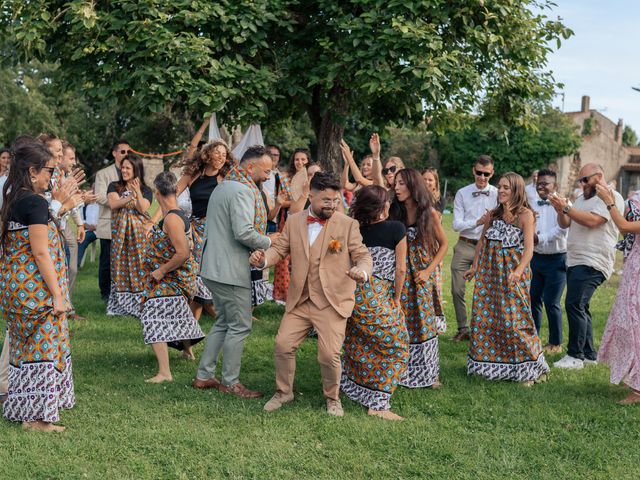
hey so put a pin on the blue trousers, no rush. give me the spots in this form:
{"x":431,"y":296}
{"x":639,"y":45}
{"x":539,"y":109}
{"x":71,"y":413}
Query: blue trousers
{"x":548,"y":278}
{"x":582,"y":282}
{"x":89,"y":238}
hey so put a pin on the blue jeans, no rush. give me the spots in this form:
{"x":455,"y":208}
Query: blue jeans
{"x":89,"y":238}
{"x":582,"y":282}
{"x":548,"y":278}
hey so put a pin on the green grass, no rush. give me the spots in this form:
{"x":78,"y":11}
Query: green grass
{"x":570,"y":427}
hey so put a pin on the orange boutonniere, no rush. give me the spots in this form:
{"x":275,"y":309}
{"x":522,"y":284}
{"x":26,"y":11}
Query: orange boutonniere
{"x":335,"y":246}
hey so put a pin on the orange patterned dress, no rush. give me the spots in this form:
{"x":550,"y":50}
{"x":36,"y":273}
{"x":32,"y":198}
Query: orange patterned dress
{"x":40,"y":374}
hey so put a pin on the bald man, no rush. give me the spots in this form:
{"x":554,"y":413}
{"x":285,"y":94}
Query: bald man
{"x":590,"y":258}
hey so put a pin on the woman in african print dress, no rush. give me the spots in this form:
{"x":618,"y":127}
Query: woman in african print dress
{"x":376,"y":345}
{"x":504,"y":343}
{"x":170,"y":282}
{"x":426,"y":248}
{"x":35,"y":297}
{"x":129,"y":200}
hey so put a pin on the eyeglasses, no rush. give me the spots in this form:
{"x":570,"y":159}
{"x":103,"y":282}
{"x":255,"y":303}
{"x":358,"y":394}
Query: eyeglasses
{"x":482,"y":174}
{"x":544,"y":184}
{"x":391,"y":169}
{"x":586,"y":178}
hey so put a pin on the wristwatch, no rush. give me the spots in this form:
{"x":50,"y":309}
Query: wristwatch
{"x":609,"y":207}
{"x":566,"y":209}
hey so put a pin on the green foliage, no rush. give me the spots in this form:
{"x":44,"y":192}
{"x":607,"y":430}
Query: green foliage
{"x":629,"y":136}
{"x":587,"y":126}
{"x":376,"y":61}
{"x":516,"y":149}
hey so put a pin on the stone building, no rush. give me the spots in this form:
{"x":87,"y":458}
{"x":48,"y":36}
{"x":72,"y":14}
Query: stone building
{"x":601,"y":144}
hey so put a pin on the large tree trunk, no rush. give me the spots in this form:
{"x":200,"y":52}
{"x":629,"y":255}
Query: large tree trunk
{"x":327,"y":113}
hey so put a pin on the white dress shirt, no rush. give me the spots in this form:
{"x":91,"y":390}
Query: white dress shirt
{"x":92,"y":213}
{"x":532,"y":193}
{"x":551,"y":237}
{"x":468,"y":208}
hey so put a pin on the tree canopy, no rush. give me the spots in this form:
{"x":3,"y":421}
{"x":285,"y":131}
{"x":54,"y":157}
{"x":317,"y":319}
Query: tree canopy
{"x":371,"y":60}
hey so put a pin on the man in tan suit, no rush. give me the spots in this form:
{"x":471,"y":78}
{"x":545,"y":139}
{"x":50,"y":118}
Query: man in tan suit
{"x":104,"y":177}
{"x":327,"y":259}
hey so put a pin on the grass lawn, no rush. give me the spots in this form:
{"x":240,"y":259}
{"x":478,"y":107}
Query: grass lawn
{"x":121,"y":427}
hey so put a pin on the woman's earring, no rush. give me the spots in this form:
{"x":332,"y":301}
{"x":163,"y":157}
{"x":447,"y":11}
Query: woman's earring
{"x":33,"y":179}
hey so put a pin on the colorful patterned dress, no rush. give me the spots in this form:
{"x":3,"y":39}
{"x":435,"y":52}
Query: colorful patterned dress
{"x":128,"y":244}
{"x":282,"y":272}
{"x":376,"y":345}
{"x":261,"y":289}
{"x":40,"y":373}
{"x":504,"y":343}
{"x":200,"y":191}
{"x":424,"y":317}
{"x":166,"y":316}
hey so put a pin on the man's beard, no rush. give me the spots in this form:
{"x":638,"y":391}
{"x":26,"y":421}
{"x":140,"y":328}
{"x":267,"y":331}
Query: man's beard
{"x":325,"y":214}
{"x":588,"y":192}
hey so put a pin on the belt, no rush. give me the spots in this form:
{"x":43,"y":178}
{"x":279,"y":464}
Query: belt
{"x":468,"y":240}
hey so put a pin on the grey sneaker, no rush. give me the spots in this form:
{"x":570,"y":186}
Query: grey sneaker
{"x":277,"y":401}
{"x":590,"y":363}
{"x":570,"y":363}
{"x":334,"y":408}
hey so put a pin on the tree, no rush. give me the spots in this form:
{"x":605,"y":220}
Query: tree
{"x":515,"y":148}
{"x":629,"y":136}
{"x":373,"y":60}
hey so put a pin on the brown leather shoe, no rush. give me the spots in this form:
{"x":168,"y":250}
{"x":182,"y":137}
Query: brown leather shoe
{"x":204,"y":384}
{"x":240,"y":391}
{"x":461,"y":336}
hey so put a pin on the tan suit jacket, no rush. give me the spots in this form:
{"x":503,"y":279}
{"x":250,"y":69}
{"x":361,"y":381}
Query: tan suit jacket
{"x":103,"y":178}
{"x":337,"y":286}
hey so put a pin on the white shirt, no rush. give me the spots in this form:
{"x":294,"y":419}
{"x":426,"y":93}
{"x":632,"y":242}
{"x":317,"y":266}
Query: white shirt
{"x":467,"y":209}
{"x":92,"y":213}
{"x":269,"y":185}
{"x":3,"y":179}
{"x":594,"y":247}
{"x":551,"y":237}
{"x":532,"y":193}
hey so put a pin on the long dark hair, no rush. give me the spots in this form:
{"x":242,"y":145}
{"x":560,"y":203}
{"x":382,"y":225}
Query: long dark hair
{"x":518,"y":203}
{"x":424,"y":207}
{"x":368,"y":203}
{"x":138,"y":172}
{"x":291,"y":169}
{"x":28,"y":155}
{"x":194,"y":166}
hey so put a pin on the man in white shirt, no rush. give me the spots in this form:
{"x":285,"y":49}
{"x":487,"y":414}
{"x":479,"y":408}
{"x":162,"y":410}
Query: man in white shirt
{"x":532,"y":189}
{"x":590,"y":258}
{"x":549,"y":262}
{"x":470,"y":207}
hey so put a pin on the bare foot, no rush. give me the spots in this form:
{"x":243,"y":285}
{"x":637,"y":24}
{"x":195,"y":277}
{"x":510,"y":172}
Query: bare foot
{"x":210,"y":310}
{"x":633,"y":397}
{"x":437,"y":385}
{"x":187,"y":355}
{"x":528,"y":383}
{"x":159,"y":378}
{"x":385,"y":414}
{"x":39,"y":426}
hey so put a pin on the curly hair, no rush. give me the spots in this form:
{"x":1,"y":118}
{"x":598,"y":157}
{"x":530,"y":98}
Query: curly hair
{"x":291,"y":169}
{"x":194,"y":166}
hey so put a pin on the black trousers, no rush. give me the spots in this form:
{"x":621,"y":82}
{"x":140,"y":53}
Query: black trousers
{"x":104,"y":268}
{"x":582,"y":282}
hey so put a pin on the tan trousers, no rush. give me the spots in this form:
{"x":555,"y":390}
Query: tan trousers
{"x":463,"y":254}
{"x":71,"y":238}
{"x":295,"y":326}
{"x":4,"y":365}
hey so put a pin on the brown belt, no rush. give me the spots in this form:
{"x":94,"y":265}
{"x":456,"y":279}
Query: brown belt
{"x":468,"y":240}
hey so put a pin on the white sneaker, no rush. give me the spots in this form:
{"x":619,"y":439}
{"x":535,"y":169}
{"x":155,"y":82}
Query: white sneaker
{"x":569,"y":363}
{"x":590,"y":363}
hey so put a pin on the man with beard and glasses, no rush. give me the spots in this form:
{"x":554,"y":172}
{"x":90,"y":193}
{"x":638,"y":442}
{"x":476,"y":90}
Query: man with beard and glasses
{"x":549,"y":262}
{"x":328,"y":257}
{"x":590,"y":258}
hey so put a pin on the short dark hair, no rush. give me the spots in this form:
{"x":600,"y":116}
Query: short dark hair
{"x":122,"y":141}
{"x":166,"y":183}
{"x":322,"y":181}
{"x":547,"y":172}
{"x":271,"y":145}
{"x":255,"y":151}
{"x":368,"y":204}
{"x":484,"y":160}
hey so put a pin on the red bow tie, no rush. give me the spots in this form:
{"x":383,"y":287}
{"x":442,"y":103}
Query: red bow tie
{"x":311,"y":220}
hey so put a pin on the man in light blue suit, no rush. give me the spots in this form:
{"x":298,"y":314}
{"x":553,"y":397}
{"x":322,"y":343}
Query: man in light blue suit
{"x":236,"y":222}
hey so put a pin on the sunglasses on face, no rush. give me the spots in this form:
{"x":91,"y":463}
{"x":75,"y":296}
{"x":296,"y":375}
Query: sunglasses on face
{"x":586,"y":178}
{"x":482,"y":174}
{"x":391,"y":169}
{"x":124,"y":152}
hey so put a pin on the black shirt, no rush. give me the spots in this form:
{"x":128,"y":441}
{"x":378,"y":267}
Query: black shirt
{"x":200,"y":191}
{"x":182,"y":215}
{"x":30,"y":209}
{"x":383,"y":234}
{"x":146,"y":191}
